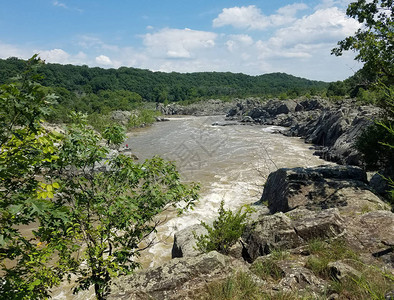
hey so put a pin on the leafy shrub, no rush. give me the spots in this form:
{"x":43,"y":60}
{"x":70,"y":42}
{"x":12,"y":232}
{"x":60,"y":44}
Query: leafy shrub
{"x":372,"y":145}
{"x":100,"y":121}
{"x":226,"y":230}
{"x":115,"y":135}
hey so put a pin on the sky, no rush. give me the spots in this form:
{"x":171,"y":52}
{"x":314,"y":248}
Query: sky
{"x":239,"y":36}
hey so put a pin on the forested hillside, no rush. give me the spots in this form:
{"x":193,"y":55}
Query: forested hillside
{"x":158,"y":86}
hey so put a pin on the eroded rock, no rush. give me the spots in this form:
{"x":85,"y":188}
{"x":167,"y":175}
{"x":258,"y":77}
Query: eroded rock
{"x":341,"y":269}
{"x":177,"y":279}
{"x":185,"y":242}
{"x":319,"y":188}
{"x":280,"y":231}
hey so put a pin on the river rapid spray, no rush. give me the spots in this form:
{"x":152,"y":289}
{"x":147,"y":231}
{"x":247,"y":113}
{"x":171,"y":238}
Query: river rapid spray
{"x":230,"y":163}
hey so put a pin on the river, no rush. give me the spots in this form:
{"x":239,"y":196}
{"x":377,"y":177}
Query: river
{"x":230,"y":163}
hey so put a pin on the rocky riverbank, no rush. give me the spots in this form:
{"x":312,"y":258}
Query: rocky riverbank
{"x":332,"y":127}
{"x":322,"y":227}
{"x":319,"y":233}
{"x":203,"y":108}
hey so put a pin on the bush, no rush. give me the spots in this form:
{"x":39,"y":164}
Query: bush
{"x":115,"y":135}
{"x":226,"y":230}
{"x":143,"y":117}
{"x":372,"y":145}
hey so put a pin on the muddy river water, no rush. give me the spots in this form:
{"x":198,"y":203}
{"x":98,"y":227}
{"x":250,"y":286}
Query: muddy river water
{"x":230,"y":163}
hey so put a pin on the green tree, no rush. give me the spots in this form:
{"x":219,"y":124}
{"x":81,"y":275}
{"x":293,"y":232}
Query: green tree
{"x":374,"y":41}
{"x":112,"y":211}
{"x":26,"y":152}
{"x":85,"y":214}
{"x":337,"y":88}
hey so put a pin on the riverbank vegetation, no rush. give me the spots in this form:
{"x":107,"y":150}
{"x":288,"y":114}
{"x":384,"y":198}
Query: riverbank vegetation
{"x":66,"y":207}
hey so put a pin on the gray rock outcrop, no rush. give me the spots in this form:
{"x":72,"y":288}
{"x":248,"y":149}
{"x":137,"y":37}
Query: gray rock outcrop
{"x":185,"y":242}
{"x":121,"y":116}
{"x":181,"y":278}
{"x":319,"y":188}
{"x":203,"y":108}
{"x":332,"y":127}
{"x":281,"y":231}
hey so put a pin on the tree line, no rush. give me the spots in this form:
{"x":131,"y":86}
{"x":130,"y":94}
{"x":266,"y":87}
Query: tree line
{"x":97,"y":90}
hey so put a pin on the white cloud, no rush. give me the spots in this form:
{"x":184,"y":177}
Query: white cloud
{"x":242,"y":17}
{"x":7,"y":50}
{"x":62,"y":57}
{"x":59,"y":4}
{"x":63,"y":5}
{"x":238,"y":41}
{"x":331,"y":3}
{"x":55,"y":56}
{"x":292,"y":9}
{"x":303,"y":48}
{"x":325,"y":25}
{"x":251,"y":17}
{"x":178,"y":43}
{"x":103,"y":60}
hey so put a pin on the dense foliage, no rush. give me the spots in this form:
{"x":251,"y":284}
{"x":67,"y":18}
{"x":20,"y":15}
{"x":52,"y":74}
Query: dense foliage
{"x":65,"y":206}
{"x":26,"y":151}
{"x":101,"y":90}
{"x":373,"y":43}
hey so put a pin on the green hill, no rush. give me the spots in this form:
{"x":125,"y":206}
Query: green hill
{"x":101,"y":90}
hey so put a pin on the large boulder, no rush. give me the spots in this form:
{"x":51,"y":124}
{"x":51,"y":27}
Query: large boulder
{"x":185,"y":241}
{"x":121,"y":116}
{"x":272,"y":112}
{"x":319,"y":188}
{"x":277,"y":107}
{"x":288,"y":231}
{"x":180,"y":278}
{"x":267,"y":234}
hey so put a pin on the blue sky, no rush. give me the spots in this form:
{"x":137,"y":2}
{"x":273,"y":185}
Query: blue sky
{"x":251,"y":37}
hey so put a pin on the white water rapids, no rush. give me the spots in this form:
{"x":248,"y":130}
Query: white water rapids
{"x":230,"y":163}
